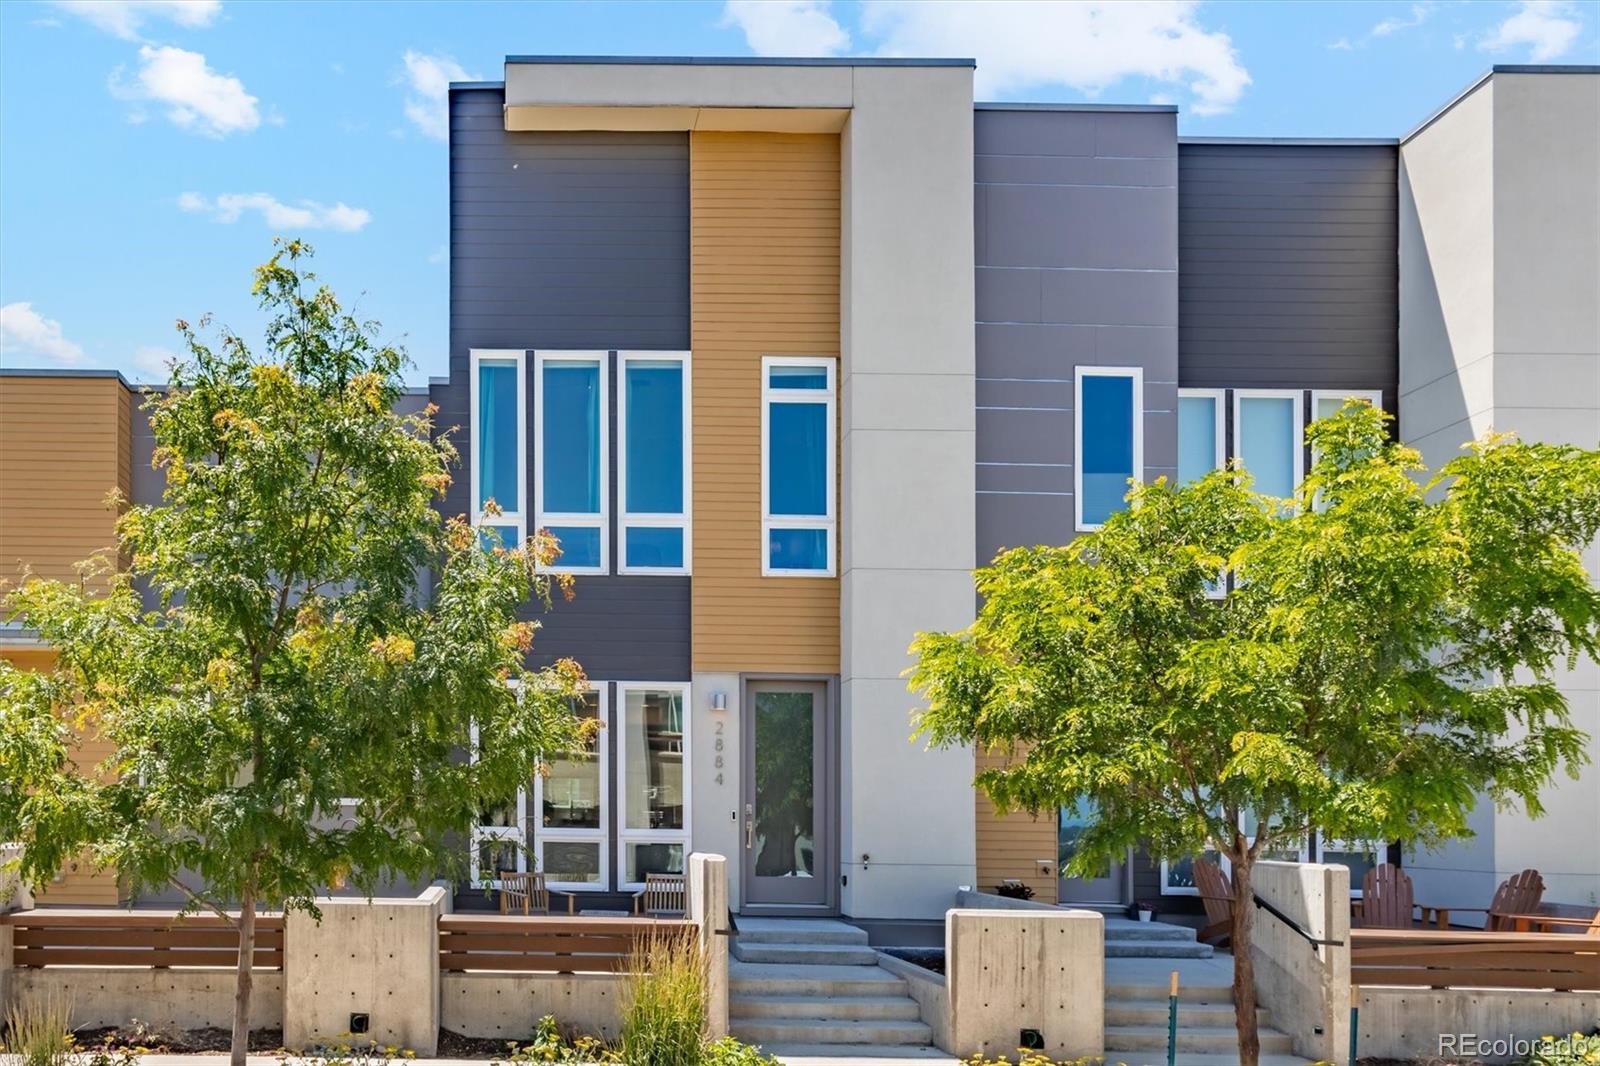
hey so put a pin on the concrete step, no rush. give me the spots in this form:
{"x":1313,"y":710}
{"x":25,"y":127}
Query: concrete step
{"x":765,"y":1031}
{"x":1200,"y":1058}
{"x":1187,"y":993}
{"x":797,"y":931}
{"x":850,"y":1054}
{"x":1120,"y":948}
{"x":1121,"y":1038}
{"x":1123,"y":929}
{"x":772,"y":979}
{"x":1154,"y":1012}
{"x":823,"y":1007}
{"x":806,"y":954}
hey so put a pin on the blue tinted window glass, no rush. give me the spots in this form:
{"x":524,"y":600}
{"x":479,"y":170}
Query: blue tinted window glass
{"x":1267,"y":444}
{"x":653,"y":546}
{"x":508,"y":537}
{"x":655,"y":438}
{"x":1107,"y":459}
{"x":797,"y":549}
{"x":497,"y":436}
{"x":797,"y":459}
{"x":1197,"y":437}
{"x":580,"y":545}
{"x":571,"y":399}
{"x":798,"y":377}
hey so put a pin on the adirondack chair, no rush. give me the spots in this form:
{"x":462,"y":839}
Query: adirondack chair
{"x":1517,"y":895}
{"x":525,"y":891}
{"x":1555,"y":923}
{"x":1385,"y":901}
{"x":663,"y":896}
{"x":1216,"y":893}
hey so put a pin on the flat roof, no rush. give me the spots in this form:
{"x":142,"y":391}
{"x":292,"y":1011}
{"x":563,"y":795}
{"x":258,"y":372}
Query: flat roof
{"x":62,"y":372}
{"x":1499,"y":68}
{"x":1159,"y":109}
{"x":743,"y":61}
{"x":1322,"y":142}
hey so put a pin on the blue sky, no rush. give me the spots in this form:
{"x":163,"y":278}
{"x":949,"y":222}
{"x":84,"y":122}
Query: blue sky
{"x":149,"y":151}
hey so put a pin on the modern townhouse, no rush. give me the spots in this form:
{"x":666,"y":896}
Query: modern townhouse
{"x":782,"y":349}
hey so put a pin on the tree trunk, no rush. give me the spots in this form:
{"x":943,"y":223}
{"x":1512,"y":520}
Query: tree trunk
{"x":1244,"y":970}
{"x":241,"y":988}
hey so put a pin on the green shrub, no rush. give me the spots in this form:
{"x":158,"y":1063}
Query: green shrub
{"x":38,"y":1031}
{"x":1572,"y":1049}
{"x":729,"y":1052}
{"x":664,"y":1003}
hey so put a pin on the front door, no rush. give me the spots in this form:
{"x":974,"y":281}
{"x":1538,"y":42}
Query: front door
{"x":1106,"y":885}
{"x":790,"y":855}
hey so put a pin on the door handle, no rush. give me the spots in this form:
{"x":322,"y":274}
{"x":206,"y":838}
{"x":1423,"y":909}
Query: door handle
{"x":749,"y":827}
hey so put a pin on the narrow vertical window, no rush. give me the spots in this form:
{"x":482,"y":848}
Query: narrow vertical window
{"x":1110,"y":441}
{"x":798,"y":525}
{"x":570,"y":801}
{"x":499,"y":444}
{"x":653,"y":477}
{"x":1201,"y":447}
{"x":499,"y":835}
{"x":1269,"y":438}
{"x":571,"y":454}
{"x":653,"y":786}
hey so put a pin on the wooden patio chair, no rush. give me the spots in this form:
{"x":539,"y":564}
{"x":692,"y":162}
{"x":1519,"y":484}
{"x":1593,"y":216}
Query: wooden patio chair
{"x":1386,"y":901}
{"x":663,"y":897}
{"x":1554,"y":923}
{"x":1518,"y":894}
{"x":525,"y":891}
{"x":1216,"y":893}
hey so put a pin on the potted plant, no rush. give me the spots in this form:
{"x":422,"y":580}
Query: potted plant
{"x":1142,"y":911}
{"x":1013,"y":888}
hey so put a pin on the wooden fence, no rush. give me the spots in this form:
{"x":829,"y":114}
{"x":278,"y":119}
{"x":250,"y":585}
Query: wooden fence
{"x":544,"y":944}
{"x":61,"y":936}
{"x":1431,"y":959}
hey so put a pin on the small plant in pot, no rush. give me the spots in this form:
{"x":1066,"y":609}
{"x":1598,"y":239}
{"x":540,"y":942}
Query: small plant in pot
{"x":1142,"y":911}
{"x":1013,"y":888}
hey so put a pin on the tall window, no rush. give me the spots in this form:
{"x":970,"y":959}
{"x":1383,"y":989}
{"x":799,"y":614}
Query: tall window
{"x":653,"y":786}
{"x":653,"y":477}
{"x":570,"y":804}
{"x":1269,"y":438}
{"x":499,"y":836}
{"x":571,"y":456}
{"x":798,"y":524}
{"x":1201,"y":447}
{"x":499,"y":443}
{"x":1110,"y":441}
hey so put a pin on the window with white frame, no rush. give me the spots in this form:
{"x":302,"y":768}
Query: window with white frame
{"x":571,"y":479}
{"x":499,"y":836}
{"x":1359,"y":855}
{"x":1202,"y":447}
{"x":499,"y":444}
{"x":652,"y":780}
{"x":1325,"y":403}
{"x":570,"y":804}
{"x":1109,"y":441}
{"x":1177,"y":877}
{"x":1269,"y":438}
{"x":799,"y":518}
{"x":653,"y":414}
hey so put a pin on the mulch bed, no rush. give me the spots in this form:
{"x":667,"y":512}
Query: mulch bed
{"x":177,"y":1041}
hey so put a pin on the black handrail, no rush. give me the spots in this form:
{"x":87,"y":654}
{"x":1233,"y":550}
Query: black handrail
{"x":1292,"y":924}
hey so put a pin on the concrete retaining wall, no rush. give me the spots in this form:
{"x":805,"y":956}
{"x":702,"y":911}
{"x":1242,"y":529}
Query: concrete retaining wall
{"x":162,"y":999}
{"x":1405,"y":1023}
{"x":930,"y":992}
{"x":508,"y":1006}
{"x":1306,"y":988}
{"x":971,"y":899}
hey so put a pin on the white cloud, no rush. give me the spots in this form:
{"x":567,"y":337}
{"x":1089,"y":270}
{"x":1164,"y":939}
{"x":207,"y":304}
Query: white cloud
{"x":197,"y":98}
{"x":154,"y":363}
{"x":786,"y":27}
{"x":125,"y":18}
{"x":304,"y":214}
{"x":1395,"y":23}
{"x":428,"y":81}
{"x":24,"y":331}
{"x":1341,"y":45}
{"x":1547,"y":27}
{"x":439,"y":255}
{"x":1088,"y":46}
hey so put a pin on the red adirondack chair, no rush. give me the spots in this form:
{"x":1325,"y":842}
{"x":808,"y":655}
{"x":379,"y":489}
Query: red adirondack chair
{"x":1216,"y":892}
{"x":1386,"y":901}
{"x":1517,"y":895}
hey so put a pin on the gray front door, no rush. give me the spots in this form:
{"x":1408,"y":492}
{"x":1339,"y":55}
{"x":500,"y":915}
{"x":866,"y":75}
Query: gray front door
{"x":790,"y":855}
{"x":1106,"y":886}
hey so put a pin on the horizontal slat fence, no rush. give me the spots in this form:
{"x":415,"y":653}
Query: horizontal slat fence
{"x":544,"y":944}
{"x":152,"y":939}
{"x":1428,"y":959}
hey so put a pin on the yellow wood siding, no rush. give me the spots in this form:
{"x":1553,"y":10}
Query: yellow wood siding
{"x":764,"y":249}
{"x":1012,"y":845}
{"x":65,"y":443}
{"x":77,"y":884}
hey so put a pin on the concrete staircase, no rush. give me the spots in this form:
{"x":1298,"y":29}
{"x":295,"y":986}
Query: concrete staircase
{"x":1136,"y":1028}
{"x":1126,"y":939}
{"x":803,"y":985}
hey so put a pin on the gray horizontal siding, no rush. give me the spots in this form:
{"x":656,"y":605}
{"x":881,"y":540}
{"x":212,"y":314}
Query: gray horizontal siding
{"x":1076,"y":216}
{"x":1288,"y":270}
{"x":580,"y":241}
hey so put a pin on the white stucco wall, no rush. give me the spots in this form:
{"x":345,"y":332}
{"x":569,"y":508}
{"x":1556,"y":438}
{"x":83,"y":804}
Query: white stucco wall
{"x":1500,"y":329}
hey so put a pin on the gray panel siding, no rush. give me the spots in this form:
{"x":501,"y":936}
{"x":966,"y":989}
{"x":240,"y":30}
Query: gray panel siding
{"x":574,"y":241}
{"x":1077,"y":243}
{"x":1288,"y":268}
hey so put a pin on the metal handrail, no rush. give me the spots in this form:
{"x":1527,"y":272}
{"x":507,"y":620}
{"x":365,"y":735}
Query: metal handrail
{"x":1292,"y":924}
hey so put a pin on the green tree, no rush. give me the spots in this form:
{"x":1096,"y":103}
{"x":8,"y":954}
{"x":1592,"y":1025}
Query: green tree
{"x":292,"y":660}
{"x":1386,"y":654}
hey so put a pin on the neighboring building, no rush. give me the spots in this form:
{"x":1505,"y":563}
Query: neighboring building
{"x":782,"y":349}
